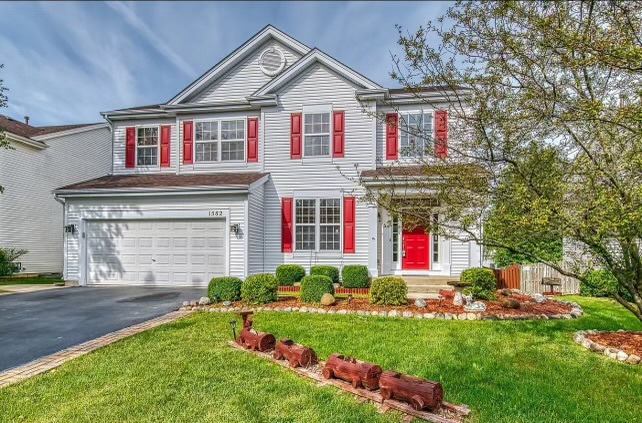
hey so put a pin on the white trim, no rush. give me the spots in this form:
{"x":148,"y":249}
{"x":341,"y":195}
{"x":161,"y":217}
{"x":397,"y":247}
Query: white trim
{"x":245,"y":230}
{"x":219,"y":141}
{"x":71,"y":131}
{"x":146,"y":192}
{"x":317,"y":197}
{"x":28,"y":141}
{"x":317,"y":110}
{"x":262,"y":58}
{"x":148,"y":168}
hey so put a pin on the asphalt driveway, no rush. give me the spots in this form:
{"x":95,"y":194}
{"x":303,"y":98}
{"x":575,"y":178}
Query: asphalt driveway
{"x":36,"y":324}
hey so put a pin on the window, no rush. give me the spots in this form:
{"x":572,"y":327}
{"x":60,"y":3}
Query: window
{"x":316,"y":130}
{"x":416,"y":135}
{"x":395,"y":240}
{"x":147,"y":146}
{"x":318,"y":224}
{"x":435,"y":240}
{"x":220,"y":140}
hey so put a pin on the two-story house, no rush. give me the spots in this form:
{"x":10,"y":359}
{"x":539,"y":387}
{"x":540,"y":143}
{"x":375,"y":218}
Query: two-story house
{"x":253,"y":165}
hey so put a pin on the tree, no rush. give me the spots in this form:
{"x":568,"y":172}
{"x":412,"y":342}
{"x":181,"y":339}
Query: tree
{"x":545,"y":123}
{"x":4,"y":143}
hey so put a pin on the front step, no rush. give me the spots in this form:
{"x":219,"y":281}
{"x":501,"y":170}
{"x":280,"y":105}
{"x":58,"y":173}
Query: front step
{"x":427,"y":296}
{"x":428,"y":288}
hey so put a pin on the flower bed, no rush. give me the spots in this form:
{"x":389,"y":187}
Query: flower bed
{"x":623,"y":346}
{"x":352,"y":291}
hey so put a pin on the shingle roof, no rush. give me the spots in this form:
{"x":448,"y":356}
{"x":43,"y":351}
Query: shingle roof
{"x":27,"y":131}
{"x":156,"y":181}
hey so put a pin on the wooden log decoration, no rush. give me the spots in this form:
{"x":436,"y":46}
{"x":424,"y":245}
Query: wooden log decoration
{"x":420,"y":393}
{"x":297,"y":355}
{"x":358,"y":373}
{"x":252,"y":339}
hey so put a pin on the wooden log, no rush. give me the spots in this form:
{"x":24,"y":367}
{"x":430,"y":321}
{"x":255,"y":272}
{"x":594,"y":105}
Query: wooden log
{"x":420,"y":393}
{"x":358,"y":373}
{"x":297,"y":355}
{"x":253,"y":339}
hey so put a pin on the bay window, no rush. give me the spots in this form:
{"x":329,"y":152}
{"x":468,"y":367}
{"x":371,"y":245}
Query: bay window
{"x":318,"y":224}
{"x":219,"y":141}
{"x":416,"y":138}
{"x":316,"y":134}
{"x":147,"y":146}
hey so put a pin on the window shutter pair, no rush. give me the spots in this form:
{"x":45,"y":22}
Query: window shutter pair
{"x":349,"y":225}
{"x":130,"y":146}
{"x":338,"y":135}
{"x":252,"y":141}
{"x":441,"y":135}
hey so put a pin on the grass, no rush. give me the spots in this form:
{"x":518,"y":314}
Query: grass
{"x":29,"y":281}
{"x":521,"y":371}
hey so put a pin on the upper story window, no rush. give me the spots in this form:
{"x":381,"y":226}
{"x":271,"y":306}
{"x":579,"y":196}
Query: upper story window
{"x":316,"y":134}
{"x":318,"y":224}
{"x":219,"y":141}
{"x":416,"y":135}
{"x":147,"y":146}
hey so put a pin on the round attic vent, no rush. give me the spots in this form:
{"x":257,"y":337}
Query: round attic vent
{"x":271,"y":61}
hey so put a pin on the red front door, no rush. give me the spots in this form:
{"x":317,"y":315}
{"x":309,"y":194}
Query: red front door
{"x":416,"y":250}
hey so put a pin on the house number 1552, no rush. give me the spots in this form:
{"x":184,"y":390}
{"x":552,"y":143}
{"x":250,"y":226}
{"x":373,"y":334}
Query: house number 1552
{"x":215,"y":213}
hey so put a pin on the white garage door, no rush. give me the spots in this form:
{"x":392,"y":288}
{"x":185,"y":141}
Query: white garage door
{"x":155,"y":252}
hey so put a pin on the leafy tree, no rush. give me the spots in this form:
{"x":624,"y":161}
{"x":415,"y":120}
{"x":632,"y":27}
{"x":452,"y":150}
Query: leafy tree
{"x":4,"y":143}
{"x":544,"y":123}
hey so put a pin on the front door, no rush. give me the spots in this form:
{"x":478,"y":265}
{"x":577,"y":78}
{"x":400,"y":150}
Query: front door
{"x":416,"y":250}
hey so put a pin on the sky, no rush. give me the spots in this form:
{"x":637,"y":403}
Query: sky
{"x":65,"y":62}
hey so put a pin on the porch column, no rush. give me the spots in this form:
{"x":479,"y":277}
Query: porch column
{"x":373,"y":235}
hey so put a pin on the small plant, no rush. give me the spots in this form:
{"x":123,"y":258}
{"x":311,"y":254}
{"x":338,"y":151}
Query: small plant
{"x":8,"y":256}
{"x":484,"y":283}
{"x":355,"y":276}
{"x":329,"y":271}
{"x":224,"y":289}
{"x":314,"y":286}
{"x":389,"y":290}
{"x":288,"y":274}
{"x":260,"y":289}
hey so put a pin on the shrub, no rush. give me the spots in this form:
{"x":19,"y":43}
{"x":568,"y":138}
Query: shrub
{"x":224,"y":289}
{"x":288,"y":274}
{"x":484,"y":282}
{"x":314,"y":286}
{"x":329,"y":271}
{"x":600,"y":283}
{"x":7,"y":258}
{"x":355,"y":276}
{"x":389,"y":291}
{"x":260,"y":289}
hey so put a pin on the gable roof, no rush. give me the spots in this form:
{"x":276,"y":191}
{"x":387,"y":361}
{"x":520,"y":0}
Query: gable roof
{"x":236,"y":56}
{"x":34,"y":134}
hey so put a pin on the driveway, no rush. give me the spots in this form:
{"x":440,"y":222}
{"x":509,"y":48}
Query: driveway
{"x":36,"y":324}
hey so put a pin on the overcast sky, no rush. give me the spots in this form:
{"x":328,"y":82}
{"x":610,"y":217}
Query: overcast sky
{"x":66,"y":62}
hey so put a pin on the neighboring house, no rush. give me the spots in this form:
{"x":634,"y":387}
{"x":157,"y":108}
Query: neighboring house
{"x":41,"y":159}
{"x":253,"y":165}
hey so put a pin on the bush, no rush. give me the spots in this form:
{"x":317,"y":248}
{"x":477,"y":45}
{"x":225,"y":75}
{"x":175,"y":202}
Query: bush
{"x":355,"y":276}
{"x":224,"y":289}
{"x":314,"y":286}
{"x":288,"y":274}
{"x":7,"y":258}
{"x":260,"y":289}
{"x":484,"y":282}
{"x":329,"y":271}
{"x":389,"y":291}
{"x":600,"y":283}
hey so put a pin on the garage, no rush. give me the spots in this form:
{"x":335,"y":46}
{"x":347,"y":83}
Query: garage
{"x":155,"y":252}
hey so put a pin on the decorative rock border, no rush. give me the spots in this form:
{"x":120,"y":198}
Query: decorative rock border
{"x":613,"y":353}
{"x":576,"y":312}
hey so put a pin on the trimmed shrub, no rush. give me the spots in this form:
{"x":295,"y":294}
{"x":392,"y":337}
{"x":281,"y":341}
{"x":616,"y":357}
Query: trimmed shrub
{"x":484,"y":282}
{"x":355,"y":276}
{"x":389,"y":290}
{"x":288,"y":274}
{"x":260,"y":289}
{"x":600,"y":283}
{"x":7,"y":258}
{"x":224,"y":289}
{"x":314,"y":286}
{"x":329,"y":271}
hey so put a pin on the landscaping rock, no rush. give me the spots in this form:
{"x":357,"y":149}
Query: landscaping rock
{"x":407,"y":314}
{"x":621,"y":356}
{"x":342,"y":312}
{"x":321,"y":311}
{"x":633,"y":359}
{"x":227,"y":303}
{"x":476,"y":306}
{"x":586,"y":343}
{"x":506,"y":292}
{"x":419,"y":316}
{"x":332,"y":311}
{"x":538,"y":298}
{"x":448,"y":316}
{"x":312,"y":310}
{"x":462,"y":316}
{"x":489,"y":317}
{"x":374,"y":313}
{"x":361,"y":312}
{"x":185,"y":303}
{"x":297,"y":284}
{"x":287,"y":309}
{"x":439,"y":316}
{"x":458,"y":299}
{"x":204,"y":301}
{"x":597,"y":347}
{"x":393,"y":313}
{"x":510,"y":303}
{"x":327,"y":299}
{"x":429,"y":315}
{"x":193,"y":303}
{"x":383,"y":314}
{"x":303,"y":310}
{"x":336,"y":286}
{"x":420,"y":302}
{"x":471,"y":316}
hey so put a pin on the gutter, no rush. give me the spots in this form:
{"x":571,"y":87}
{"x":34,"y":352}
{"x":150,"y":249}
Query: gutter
{"x":31,"y":142}
{"x":137,"y":192}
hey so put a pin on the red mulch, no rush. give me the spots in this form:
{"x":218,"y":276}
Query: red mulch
{"x":629,"y":342}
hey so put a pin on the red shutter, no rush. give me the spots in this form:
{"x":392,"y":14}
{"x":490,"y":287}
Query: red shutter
{"x":166,"y":133}
{"x":339,"y":137}
{"x":130,"y":147}
{"x":253,"y":139}
{"x":349,"y":224}
{"x":188,"y":142}
{"x":392,"y":136}
{"x":286,"y":225}
{"x":295,"y":135}
{"x":441,"y":133}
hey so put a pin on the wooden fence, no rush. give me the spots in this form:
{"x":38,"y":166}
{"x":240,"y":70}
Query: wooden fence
{"x":528,"y":279}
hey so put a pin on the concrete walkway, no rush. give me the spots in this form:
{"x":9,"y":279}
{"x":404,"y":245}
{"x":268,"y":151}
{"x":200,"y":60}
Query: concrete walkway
{"x":18,"y":289}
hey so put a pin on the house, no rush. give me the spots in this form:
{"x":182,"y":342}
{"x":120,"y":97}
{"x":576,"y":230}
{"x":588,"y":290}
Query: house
{"x":253,"y":165}
{"x":40,"y":160}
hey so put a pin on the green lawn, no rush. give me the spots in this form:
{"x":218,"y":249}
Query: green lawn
{"x":523,"y":371}
{"x":29,"y":281}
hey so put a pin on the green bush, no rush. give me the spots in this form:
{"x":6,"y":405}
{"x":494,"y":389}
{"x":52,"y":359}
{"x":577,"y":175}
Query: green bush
{"x":7,"y":258}
{"x":314,"y":286}
{"x":260,"y":289}
{"x":288,"y":274}
{"x":484,"y":282}
{"x":389,"y":290}
{"x":355,"y":276}
{"x":224,"y":289}
{"x":600,"y":283}
{"x":329,"y":271}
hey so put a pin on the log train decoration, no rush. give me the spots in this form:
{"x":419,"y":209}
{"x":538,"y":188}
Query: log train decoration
{"x":358,"y":373}
{"x":297,"y":355}
{"x":252,"y":339}
{"x":420,"y":393}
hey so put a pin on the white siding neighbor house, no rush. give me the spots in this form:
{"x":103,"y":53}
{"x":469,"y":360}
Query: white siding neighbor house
{"x":255,"y":164}
{"x":40,"y":160}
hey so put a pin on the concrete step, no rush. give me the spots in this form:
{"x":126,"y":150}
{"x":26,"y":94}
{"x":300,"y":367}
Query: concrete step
{"x":429,"y":288}
{"x":425,"y":296}
{"x":428,"y":280}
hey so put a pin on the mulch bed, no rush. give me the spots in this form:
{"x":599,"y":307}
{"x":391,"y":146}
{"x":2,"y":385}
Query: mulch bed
{"x":629,"y":342}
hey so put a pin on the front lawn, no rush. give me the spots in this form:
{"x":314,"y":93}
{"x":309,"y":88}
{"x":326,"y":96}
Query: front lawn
{"x":506,"y":371}
{"x":30,"y":281}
